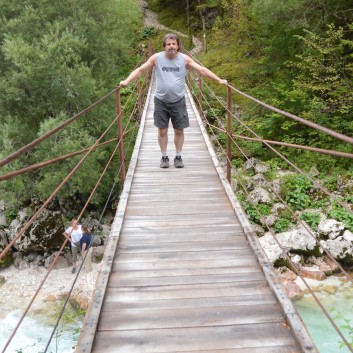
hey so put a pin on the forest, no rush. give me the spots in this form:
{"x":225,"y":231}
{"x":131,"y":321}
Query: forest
{"x":59,"y":57}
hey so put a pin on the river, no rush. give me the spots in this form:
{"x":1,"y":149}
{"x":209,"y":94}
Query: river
{"x":340,"y":307}
{"x":36,"y":329}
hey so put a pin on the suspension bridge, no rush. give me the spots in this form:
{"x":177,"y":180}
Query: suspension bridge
{"x":183,"y":270}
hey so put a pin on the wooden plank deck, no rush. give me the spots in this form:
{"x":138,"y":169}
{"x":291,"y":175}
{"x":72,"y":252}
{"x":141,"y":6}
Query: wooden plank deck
{"x":181,"y":275}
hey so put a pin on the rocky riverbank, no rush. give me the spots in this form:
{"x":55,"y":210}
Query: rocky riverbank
{"x":18,"y":286}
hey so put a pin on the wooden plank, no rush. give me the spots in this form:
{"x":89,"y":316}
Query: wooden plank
{"x":186,"y":303}
{"x":116,"y":279}
{"x":187,"y":291}
{"x":154,"y":209}
{"x":162,"y":253}
{"x":195,"y":339}
{"x":183,"y":278}
{"x":171,"y":265}
{"x":140,"y":237}
{"x":191,"y":317}
{"x":186,"y":250}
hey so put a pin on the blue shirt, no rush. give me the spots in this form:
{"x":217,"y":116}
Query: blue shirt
{"x":86,"y":239}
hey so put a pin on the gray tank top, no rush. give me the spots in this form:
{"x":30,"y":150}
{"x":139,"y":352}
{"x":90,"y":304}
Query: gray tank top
{"x":170,"y":77}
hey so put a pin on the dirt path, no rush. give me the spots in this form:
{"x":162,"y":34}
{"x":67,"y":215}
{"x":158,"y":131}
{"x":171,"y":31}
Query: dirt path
{"x":150,"y":20}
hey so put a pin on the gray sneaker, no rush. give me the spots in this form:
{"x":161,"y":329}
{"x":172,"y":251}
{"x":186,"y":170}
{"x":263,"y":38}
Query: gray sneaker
{"x":164,"y":162}
{"x":178,"y":162}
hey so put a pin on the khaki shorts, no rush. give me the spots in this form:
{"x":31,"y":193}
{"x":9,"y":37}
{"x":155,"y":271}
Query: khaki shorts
{"x":176,"y":112}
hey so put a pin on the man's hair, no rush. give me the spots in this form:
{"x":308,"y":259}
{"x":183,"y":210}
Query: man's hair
{"x":171,"y":36}
{"x":85,"y":228}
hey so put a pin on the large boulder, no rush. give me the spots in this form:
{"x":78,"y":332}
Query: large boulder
{"x":341,"y":248}
{"x":260,"y":195}
{"x":297,"y":241}
{"x":44,"y":234}
{"x":330,"y":229}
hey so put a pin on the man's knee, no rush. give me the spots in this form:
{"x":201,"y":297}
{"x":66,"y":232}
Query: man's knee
{"x":162,"y":132}
{"x":179,"y":132}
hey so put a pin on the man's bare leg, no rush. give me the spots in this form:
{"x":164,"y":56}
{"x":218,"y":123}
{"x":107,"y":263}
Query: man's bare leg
{"x":179,"y":139}
{"x":163,"y":139}
{"x":179,"y":142}
{"x":163,"y":143}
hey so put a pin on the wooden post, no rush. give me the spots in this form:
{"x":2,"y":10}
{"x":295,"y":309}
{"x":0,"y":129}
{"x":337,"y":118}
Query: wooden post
{"x":229,"y":134}
{"x":120,"y":135}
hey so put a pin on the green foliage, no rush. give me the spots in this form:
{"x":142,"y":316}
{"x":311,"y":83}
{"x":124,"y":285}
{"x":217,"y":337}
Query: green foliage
{"x":55,"y":60}
{"x":312,"y":218}
{"x":295,"y":189}
{"x":282,"y":225}
{"x":342,"y":215}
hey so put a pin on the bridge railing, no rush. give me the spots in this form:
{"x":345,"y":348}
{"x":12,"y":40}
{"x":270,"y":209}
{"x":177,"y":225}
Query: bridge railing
{"x":131,"y":121}
{"x":225,"y":149}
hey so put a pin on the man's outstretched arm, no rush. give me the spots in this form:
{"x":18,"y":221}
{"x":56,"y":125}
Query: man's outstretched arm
{"x":203,"y":71}
{"x":140,"y":71}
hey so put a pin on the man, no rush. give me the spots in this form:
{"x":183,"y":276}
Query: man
{"x":74,"y":235}
{"x":169,"y":97}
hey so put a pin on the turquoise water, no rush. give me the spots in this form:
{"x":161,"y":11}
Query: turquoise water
{"x":340,"y":308}
{"x":34,"y":332}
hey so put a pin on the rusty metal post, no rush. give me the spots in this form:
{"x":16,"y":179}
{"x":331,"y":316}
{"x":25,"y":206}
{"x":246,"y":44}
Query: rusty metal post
{"x":200,"y":97}
{"x":120,"y":134}
{"x":229,"y":134}
{"x":150,"y":51}
{"x":139,"y":103}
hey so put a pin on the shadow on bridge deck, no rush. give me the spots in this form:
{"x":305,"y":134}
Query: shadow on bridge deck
{"x":182,"y":271}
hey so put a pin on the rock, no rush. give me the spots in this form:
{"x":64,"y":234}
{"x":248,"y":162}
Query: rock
{"x":260,"y":195}
{"x":3,"y":222}
{"x":286,"y":274}
{"x":60,"y":263}
{"x":270,"y":220}
{"x":2,"y":280}
{"x":344,"y":184}
{"x":258,"y":230}
{"x":295,"y":241}
{"x":313,"y":273}
{"x":293,"y":291}
{"x":262,"y":168}
{"x":23,"y":264}
{"x":45,"y":232}
{"x":50,"y":298}
{"x":250,"y":163}
{"x":331,"y":264}
{"x":98,"y":253}
{"x":276,"y":186}
{"x":255,"y":181}
{"x":313,"y":171}
{"x":330,"y":289}
{"x":330,"y":228}
{"x":341,"y":248}
{"x":297,"y":260}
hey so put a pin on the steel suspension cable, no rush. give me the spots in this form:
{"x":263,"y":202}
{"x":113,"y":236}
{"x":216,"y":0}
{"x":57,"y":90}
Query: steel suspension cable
{"x":284,"y":252}
{"x":289,"y":162}
{"x":315,"y":126}
{"x":54,"y":262}
{"x":300,"y":147}
{"x":40,"y":210}
{"x":303,"y":224}
{"x":84,"y":258}
{"x":48,"y":162}
{"x":80,"y":215}
{"x":53,"y":131}
{"x":42,"y":138}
